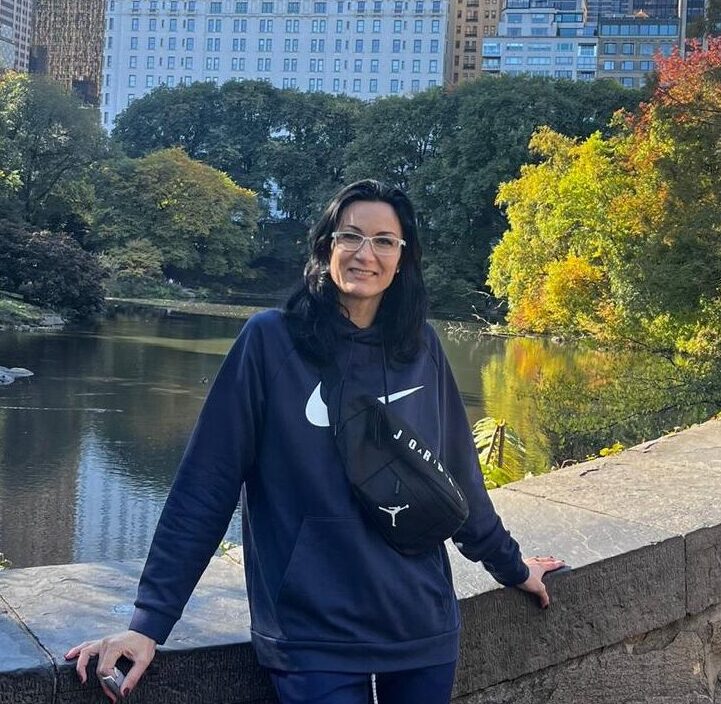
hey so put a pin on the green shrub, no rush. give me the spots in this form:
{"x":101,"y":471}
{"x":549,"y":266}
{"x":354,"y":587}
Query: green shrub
{"x":50,"y":269}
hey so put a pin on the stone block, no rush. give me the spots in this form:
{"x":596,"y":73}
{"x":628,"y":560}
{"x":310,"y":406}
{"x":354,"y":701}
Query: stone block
{"x":208,"y":657}
{"x":670,"y":674}
{"x":626,"y":579}
{"x":26,"y":671}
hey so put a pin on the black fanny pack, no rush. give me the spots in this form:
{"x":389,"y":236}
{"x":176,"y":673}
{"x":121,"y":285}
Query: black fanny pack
{"x":406,"y":492}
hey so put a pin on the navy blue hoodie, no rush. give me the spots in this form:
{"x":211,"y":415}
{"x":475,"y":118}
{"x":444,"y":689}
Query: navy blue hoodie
{"x":326,"y":591}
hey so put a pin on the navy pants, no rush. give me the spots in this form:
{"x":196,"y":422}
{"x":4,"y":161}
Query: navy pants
{"x":427,"y":684}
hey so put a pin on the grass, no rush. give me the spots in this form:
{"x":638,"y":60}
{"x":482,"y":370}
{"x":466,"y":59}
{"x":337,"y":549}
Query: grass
{"x":14,"y":311}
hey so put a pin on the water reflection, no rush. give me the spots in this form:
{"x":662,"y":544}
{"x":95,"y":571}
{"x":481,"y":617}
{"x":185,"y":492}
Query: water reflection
{"x":89,"y":446}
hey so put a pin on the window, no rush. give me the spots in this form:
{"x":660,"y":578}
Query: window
{"x":293,"y":8}
{"x":395,"y":83}
{"x":212,"y":44}
{"x":338,"y":44}
{"x":152,"y":25}
{"x":191,"y":25}
{"x":336,"y":65}
{"x":151,"y":43}
{"x":265,"y":45}
{"x":266,"y":7}
{"x":265,"y":26}
{"x":172,"y":43}
{"x":216,"y":8}
{"x":645,"y":65}
{"x":418,"y":26}
{"x":395,"y":66}
{"x":237,"y":63}
{"x":241,"y":8}
{"x":397,"y":26}
{"x":587,"y":50}
{"x":190,"y":43}
{"x":132,"y":62}
{"x":433,"y":66}
{"x":646,"y":49}
{"x":263,"y":64}
{"x":376,"y":26}
{"x":320,"y":8}
{"x":627,"y":48}
{"x":416,"y":66}
{"x":150,"y":62}
{"x":564,"y":46}
{"x":132,"y":80}
{"x":415,"y":85}
{"x":609,"y":65}
{"x":564,"y":61}
{"x":316,"y":65}
{"x":419,"y":7}
{"x":149,"y":79}
{"x":627,"y":65}
{"x":338,"y":26}
{"x":240,"y":26}
{"x":539,"y":60}
{"x":358,"y":66}
{"x":317,"y":46}
{"x":292,"y":26}
{"x":133,"y":42}
{"x":627,"y":82}
{"x":212,"y":63}
{"x":356,"y":85}
{"x":512,"y":18}
{"x":358,"y":46}
{"x":539,"y":31}
{"x":171,"y":62}
{"x":563,"y":74}
{"x":396,"y":46}
{"x":290,"y":64}
{"x":373,"y":85}
{"x":131,"y":97}
{"x":435,"y":26}
{"x":290,"y":46}
{"x":374,"y":65}
{"x":539,"y":18}
{"x":215,"y":26}
{"x":189,"y":62}
{"x":135,"y":24}
{"x":513,"y":61}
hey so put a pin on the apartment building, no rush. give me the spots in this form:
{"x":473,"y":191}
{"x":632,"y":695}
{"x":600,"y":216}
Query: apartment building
{"x":67,"y":44}
{"x":15,"y":30}
{"x":627,"y":46}
{"x":363,"y":48}
{"x":470,"y":23}
{"x":543,"y":38}
{"x":7,"y":47}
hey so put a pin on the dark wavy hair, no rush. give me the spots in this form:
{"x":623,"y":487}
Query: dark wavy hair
{"x":402,"y":312}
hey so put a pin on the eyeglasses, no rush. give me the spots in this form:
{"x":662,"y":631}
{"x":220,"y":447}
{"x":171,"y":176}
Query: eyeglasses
{"x":381,"y":244}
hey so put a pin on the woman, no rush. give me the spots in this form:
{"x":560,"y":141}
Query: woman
{"x":331,"y":601}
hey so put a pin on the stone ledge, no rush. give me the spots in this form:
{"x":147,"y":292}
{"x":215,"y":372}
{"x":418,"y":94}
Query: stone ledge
{"x":644,"y":547}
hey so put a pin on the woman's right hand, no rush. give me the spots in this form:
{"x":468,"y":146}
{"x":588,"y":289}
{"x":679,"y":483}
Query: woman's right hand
{"x":134,"y":646}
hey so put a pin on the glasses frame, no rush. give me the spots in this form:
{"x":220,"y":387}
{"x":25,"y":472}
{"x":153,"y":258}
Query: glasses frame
{"x":371,"y":240}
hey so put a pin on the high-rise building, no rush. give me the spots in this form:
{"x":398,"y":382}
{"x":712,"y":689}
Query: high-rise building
{"x":543,"y":38}
{"x":7,"y":47}
{"x":362,"y":48}
{"x":15,"y":28}
{"x":67,"y":44}
{"x":627,"y":46}
{"x":470,"y":24}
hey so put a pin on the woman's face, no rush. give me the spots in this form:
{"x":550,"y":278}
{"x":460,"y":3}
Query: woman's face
{"x":363,"y":276}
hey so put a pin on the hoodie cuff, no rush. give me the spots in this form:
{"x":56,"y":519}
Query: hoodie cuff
{"x":511,"y":575}
{"x":152,"y":624}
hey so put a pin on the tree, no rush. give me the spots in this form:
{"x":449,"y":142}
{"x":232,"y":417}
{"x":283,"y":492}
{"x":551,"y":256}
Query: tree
{"x":47,"y":139}
{"x":618,"y":238}
{"x":50,"y":269}
{"x":201,"y":223}
{"x":187,"y":116}
{"x":304,"y":157}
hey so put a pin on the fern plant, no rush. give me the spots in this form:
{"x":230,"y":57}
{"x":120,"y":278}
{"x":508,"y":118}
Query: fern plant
{"x":500,"y":452}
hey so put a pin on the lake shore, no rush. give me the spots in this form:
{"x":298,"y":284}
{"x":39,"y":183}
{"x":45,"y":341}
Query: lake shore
{"x":16,"y":314}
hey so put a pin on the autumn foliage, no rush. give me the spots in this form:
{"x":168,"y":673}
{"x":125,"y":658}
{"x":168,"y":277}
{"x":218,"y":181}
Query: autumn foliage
{"x":620,"y":238}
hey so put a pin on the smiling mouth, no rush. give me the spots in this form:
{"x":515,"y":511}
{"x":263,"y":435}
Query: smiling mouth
{"x":363,"y":272}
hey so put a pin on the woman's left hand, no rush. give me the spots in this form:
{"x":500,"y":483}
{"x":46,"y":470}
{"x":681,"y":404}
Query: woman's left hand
{"x":538,"y":566}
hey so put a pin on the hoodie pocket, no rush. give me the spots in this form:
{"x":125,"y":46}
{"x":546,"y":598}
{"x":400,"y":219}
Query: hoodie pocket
{"x":345,"y":583}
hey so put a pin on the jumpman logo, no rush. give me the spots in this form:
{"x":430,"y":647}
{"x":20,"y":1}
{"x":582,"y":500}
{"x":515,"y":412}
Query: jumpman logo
{"x":394,"y":510}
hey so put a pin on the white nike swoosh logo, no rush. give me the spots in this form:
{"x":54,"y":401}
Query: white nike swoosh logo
{"x":316,"y":410}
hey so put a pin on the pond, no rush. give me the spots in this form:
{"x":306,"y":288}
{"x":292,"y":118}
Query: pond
{"x":90,"y":444}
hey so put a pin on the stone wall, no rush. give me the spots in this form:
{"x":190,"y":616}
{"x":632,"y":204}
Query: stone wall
{"x":638,"y":619}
